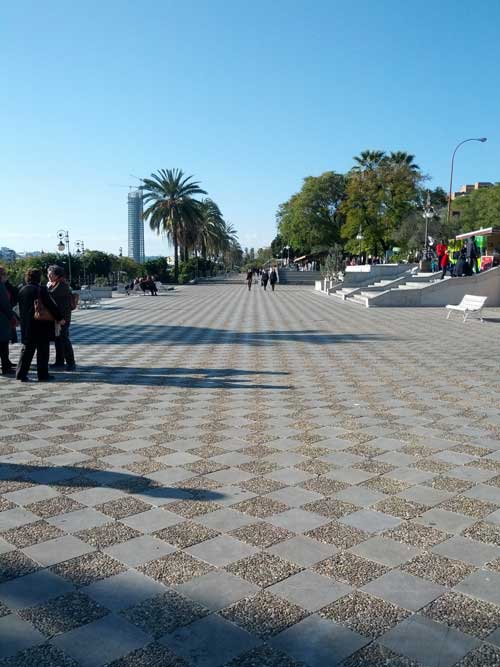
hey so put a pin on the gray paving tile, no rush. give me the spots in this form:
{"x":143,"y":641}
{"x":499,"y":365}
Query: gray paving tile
{"x":404,"y":590}
{"x":72,"y":522}
{"x":302,"y":550}
{"x":448,"y":522}
{"x":370,"y":521}
{"x":33,"y":589}
{"x":217,"y":589}
{"x":358,"y":495}
{"x":318,"y":642}
{"x":152,"y":520}
{"x":123,"y":590}
{"x":429,"y":643}
{"x":385,"y":551}
{"x":58,"y":550}
{"x":483,"y":584}
{"x":309,"y":590}
{"x":140,"y":550}
{"x":298,"y":520}
{"x":16,"y":635}
{"x":221,"y":550}
{"x":210,"y":642}
{"x":471,"y":551}
{"x":99,"y":643}
{"x":14,"y":518}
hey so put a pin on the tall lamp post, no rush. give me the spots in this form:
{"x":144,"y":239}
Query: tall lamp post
{"x":427,"y":214}
{"x":360,"y":238}
{"x":63,"y":236}
{"x":80,"y":251}
{"x":482,"y":140}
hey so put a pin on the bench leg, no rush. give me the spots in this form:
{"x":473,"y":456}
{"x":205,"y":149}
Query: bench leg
{"x":466,"y":315}
{"x":449,"y":313}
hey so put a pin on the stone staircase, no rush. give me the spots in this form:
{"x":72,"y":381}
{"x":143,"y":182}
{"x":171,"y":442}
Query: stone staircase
{"x":363,"y":295}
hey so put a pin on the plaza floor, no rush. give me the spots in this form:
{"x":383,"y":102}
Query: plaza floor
{"x":255,"y":480}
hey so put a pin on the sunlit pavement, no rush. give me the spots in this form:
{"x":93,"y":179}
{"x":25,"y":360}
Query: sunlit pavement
{"x":243,"y":479}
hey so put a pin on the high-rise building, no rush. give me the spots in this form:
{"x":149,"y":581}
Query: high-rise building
{"x":135,"y":226}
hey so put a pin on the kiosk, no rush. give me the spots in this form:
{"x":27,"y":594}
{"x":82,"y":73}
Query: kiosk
{"x":488,"y":243}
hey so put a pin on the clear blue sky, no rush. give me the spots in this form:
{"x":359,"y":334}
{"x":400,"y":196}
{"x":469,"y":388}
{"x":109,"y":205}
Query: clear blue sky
{"x":249,"y":97}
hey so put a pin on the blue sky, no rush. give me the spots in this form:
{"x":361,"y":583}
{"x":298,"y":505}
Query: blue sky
{"x":249,"y":97}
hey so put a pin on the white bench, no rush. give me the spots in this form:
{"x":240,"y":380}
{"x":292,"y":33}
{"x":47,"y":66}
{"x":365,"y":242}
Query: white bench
{"x":88,"y":299}
{"x":470,"y":305}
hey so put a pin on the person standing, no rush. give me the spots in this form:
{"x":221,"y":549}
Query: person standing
{"x":38,"y":312}
{"x":273,"y":278}
{"x":60,"y":291}
{"x":6,"y":318}
{"x":265,"y":279}
{"x":249,"y":279}
{"x":472,"y":254}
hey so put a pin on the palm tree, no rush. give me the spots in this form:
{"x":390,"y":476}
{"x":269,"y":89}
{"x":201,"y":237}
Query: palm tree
{"x":368,"y":160}
{"x":402,"y":159}
{"x":172,"y":209}
{"x":211,"y":230}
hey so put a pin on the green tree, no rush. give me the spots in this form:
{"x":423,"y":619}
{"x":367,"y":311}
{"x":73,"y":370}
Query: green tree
{"x":477,"y":210}
{"x":97,"y":263}
{"x":381,"y":192}
{"x":172,"y":208}
{"x":311,"y":218}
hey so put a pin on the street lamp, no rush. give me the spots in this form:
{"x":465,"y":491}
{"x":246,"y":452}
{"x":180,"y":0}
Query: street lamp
{"x":360,"y":238}
{"x":80,"y":251}
{"x":63,"y":236}
{"x":482,"y":140}
{"x":427,"y":214}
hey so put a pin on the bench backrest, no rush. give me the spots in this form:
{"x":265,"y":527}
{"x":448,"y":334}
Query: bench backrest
{"x":472,"y":302}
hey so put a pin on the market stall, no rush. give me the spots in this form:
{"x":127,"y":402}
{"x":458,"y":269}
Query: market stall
{"x":488,"y":243}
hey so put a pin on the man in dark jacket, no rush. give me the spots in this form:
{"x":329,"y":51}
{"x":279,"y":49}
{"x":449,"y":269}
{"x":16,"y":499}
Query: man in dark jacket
{"x":6,"y":318}
{"x":36,"y":334}
{"x":60,"y":291}
{"x":472,"y":253}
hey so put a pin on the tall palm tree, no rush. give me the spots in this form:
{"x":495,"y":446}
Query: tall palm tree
{"x":211,"y":230}
{"x":402,"y":159}
{"x":368,"y":160}
{"x":172,"y":208}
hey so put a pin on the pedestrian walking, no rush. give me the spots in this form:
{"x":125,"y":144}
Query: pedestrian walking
{"x":249,"y":279}
{"x":265,"y":279}
{"x":444,"y":264}
{"x":273,"y":278}
{"x":39,"y":313}
{"x":6,"y":318}
{"x":60,"y":291}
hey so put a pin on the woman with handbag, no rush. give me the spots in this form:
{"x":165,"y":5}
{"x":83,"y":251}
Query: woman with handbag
{"x":39,"y":313}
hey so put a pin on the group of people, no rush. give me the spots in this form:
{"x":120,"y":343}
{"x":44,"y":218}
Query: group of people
{"x":44,"y":315}
{"x":466,"y":259}
{"x":266,"y":277}
{"x":145,"y":284}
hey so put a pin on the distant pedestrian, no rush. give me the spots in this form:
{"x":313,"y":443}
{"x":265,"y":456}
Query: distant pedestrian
{"x":60,"y":291}
{"x":6,"y":318}
{"x":265,"y":279}
{"x":249,"y":279}
{"x":444,"y":264}
{"x":273,"y":278}
{"x":39,"y":313}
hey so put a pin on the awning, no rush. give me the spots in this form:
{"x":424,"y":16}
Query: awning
{"x":487,"y":231}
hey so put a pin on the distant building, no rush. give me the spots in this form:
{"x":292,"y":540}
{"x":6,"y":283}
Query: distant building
{"x":7,"y":254}
{"x":135,"y":226}
{"x":467,"y":189}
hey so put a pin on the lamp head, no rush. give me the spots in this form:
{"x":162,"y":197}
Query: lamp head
{"x":60,"y":246}
{"x":483,"y":139}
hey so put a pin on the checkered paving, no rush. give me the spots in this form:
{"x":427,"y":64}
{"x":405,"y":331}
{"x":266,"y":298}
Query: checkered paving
{"x":235,"y":479}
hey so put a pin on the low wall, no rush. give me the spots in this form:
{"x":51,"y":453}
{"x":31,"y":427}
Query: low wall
{"x":365,"y":274}
{"x":445,"y":292}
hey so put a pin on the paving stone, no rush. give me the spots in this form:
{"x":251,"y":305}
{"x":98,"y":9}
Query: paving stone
{"x":429,"y":643}
{"x":448,"y":522}
{"x":58,"y":550}
{"x":33,"y":589}
{"x":385,"y":551}
{"x":217,"y":589}
{"x":101,"y":642}
{"x":404,"y":590}
{"x":370,"y":521}
{"x":302,"y":550}
{"x":471,"y":551}
{"x":317,"y":641}
{"x":16,"y":635}
{"x":210,"y":642}
{"x":309,"y":590}
{"x":297,"y":520}
{"x":483,"y":585}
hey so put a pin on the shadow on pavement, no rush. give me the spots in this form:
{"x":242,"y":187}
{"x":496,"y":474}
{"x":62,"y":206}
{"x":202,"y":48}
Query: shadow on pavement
{"x":193,"y":378}
{"x":105,"y":334}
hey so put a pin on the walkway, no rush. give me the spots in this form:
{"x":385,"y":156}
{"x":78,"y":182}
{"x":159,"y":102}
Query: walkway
{"x":268,"y":480}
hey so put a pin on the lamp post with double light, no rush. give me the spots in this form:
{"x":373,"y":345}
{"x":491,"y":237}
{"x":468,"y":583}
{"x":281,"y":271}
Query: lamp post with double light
{"x":80,"y":251}
{"x":63,"y":236}
{"x":360,"y":238}
{"x":482,"y":140}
